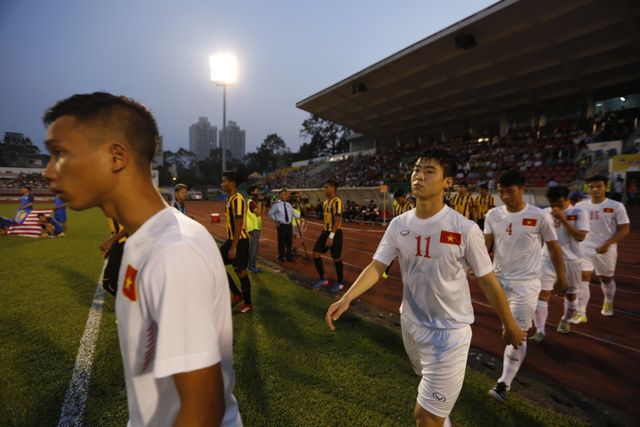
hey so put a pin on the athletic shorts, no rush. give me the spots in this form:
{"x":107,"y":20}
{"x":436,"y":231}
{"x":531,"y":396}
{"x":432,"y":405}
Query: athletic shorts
{"x":241,"y":261}
{"x":439,"y":356}
{"x":523,"y":298}
{"x":601,"y":264}
{"x":573,"y":270}
{"x":60,"y":215}
{"x":336,"y":249}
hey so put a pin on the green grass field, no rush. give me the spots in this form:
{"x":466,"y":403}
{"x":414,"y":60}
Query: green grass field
{"x":291,"y":370}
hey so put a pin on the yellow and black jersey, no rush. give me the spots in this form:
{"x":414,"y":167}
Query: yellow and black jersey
{"x":115,"y":228}
{"x":236,"y":208}
{"x":463,"y":204}
{"x":399,"y":209}
{"x":332,"y":208}
{"x":484,"y":203}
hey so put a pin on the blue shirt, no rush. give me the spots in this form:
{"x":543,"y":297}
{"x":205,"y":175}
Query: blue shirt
{"x":25,"y":199}
{"x":276,"y":213}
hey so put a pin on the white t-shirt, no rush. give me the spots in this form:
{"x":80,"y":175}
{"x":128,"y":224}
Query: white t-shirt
{"x":604,"y":218}
{"x":579,"y":219}
{"x":173,"y":316}
{"x":517,"y":241}
{"x":433,"y":254}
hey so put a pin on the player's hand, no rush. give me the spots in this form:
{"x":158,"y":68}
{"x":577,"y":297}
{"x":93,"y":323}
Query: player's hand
{"x":603,"y":249}
{"x":514,"y":336}
{"x":232,"y":253}
{"x":105,"y":247}
{"x":561,"y":286}
{"x":557,"y":213}
{"x":329,"y":243}
{"x":335,"y":311}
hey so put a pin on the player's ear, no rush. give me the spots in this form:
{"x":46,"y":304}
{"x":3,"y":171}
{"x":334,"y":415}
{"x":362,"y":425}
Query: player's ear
{"x":120,"y":155}
{"x":448,"y":183}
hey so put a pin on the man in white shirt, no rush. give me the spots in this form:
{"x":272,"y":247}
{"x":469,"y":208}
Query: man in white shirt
{"x":172,"y":302}
{"x":609,"y":223}
{"x":434,"y":244}
{"x":282,"y":213}
{"x":572,"y":225}
{"x":515,"y":232}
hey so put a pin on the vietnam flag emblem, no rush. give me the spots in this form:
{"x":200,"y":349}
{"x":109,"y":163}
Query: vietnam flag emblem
{"x":608,"y":210}
{"x":450,"y":238}
{"x":572,"y":217}
{"x":129,"y":286}
{"x":529,"y":222}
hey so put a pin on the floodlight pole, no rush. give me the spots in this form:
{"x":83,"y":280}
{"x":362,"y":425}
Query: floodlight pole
{"x":224,"y":128}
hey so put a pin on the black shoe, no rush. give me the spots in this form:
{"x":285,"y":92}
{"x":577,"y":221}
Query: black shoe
{"x":499,"y":392}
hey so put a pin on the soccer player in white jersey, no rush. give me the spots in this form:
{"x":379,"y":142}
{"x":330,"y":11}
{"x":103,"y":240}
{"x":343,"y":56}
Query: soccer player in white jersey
{"x":515,"y":232}
{"x":572,"y":225}
{"x":172,"y":301}
{"x":434,"y":244}
{"x":609,"y":224}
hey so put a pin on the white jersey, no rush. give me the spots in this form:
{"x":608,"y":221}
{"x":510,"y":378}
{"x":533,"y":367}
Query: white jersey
{"x":433,"y":254}
{"x":517,"y":241}
{"x":579,"y":219}
{"x":173,"y":316}
{"x":604,"y":218}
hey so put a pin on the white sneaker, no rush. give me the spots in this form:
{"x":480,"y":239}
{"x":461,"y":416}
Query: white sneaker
{"x":578,"y":318}
{"x":563,"y":327}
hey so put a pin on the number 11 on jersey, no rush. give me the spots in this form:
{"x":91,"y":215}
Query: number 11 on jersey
{"x":427,"y":243}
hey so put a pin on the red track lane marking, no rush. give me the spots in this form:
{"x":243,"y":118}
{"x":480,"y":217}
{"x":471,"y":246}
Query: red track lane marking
{"x":575,"y":332}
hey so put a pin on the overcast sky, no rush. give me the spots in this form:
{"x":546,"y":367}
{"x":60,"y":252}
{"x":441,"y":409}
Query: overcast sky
{"x":157,"y":53}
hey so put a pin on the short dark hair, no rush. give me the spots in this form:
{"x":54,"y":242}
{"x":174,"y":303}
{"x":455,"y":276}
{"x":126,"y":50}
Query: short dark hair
{"x":399,"y":193}
{"x":446,"y":160}
{"x":283,"y":190}
{"x":598,"y":178}
{"x":483,"y":186}
{"x":332,"y":183}
{"x":231,"y":176}
{"x":134,"y":119}
{"x":510,"y":178}
{"x":558,"y":192}
{"x":179,"y":187}
{"x":28,"y":187}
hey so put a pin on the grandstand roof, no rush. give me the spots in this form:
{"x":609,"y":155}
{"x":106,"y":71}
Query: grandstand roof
{"x":531,"y":55}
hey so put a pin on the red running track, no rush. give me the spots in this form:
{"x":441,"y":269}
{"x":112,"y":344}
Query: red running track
{"x":600,"y":358}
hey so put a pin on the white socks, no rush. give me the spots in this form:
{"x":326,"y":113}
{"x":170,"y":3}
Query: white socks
{"x":541,"y":314}
{"x":513,"y":359}
{"x":584,"y":294}
{"x":609,"y":290}
{"x":569,"y":308}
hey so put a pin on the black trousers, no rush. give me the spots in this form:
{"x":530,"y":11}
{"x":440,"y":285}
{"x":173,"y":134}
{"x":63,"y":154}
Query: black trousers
{"x":285,"y":235}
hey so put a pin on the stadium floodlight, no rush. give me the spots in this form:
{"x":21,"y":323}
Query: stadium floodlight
{"x":224,"y":72}
{"x":622,"y":98}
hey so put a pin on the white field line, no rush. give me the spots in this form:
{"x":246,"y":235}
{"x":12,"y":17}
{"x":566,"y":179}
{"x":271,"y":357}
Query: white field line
{"x":72,"y":413}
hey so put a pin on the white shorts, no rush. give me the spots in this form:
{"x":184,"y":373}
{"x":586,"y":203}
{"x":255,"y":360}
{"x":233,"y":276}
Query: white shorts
{"x":523,"y":297}
{"x":440,"y":357}
{"x":573,"y":270}
{"x":601,"y":264}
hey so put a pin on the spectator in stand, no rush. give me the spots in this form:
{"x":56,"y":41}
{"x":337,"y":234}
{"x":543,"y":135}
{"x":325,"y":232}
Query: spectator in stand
{"x":618,"y":189}
{"x":552,"y":182}
{"x":371,"y":212}
{"x":60,"y":213}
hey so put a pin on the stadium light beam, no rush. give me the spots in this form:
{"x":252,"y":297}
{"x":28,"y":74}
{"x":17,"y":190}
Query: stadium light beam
{"x":224,"y":72}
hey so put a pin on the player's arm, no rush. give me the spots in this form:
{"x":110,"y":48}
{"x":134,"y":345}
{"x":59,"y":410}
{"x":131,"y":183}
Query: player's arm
{"x":495,"y":295}
{"x":623,"y":230}
{"x":555,"y":253}
{"x":367,"y":278}
{"x":488,"y":242}
{"x":201,"y":397}
{"x":578,"y":235}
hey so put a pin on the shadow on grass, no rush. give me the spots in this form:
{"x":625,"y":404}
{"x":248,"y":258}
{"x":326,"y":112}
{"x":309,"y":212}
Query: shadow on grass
{"x":34,"y":379}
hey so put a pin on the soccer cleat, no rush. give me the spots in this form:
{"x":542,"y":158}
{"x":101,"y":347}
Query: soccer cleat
{"x":499,"y":392}
{"x":537,"y":337}
{"x":255,"y":270}
{"x":336,"y":287}
{"x":236,"y":299}
{"x":607,"y":309}
{"x":246,"y":308}
{"x":578,"y":318}
{"x":385,"y":275}
{"x":563,"y":327}
{"x":320,"y":284}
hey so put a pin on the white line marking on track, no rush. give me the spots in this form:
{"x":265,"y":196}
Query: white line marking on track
{"x":72,"y":413}
{"x":573,"y":331}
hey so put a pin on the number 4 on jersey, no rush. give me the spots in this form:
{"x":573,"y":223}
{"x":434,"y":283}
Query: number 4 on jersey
{"x":509,"y":229}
